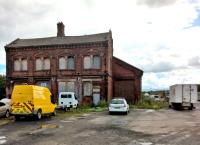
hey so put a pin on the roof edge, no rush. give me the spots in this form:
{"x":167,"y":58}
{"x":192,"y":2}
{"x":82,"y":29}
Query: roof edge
{"x":129,"y":65}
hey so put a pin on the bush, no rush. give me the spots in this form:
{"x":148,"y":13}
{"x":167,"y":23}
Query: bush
{"x":148,"y":103}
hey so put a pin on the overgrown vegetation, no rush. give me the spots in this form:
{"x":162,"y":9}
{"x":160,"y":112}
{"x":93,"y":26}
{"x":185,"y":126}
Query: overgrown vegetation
{"x":149,"y":103}
{"x":2,"y":86}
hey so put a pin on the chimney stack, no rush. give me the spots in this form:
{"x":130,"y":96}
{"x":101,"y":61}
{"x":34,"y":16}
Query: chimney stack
{"x":60,"y":29}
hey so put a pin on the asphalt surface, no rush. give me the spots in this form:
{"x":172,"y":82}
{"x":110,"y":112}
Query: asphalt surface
{"x":139,"y":127}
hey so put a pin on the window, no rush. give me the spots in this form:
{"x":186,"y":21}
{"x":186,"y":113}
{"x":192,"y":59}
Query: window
{"x":87,"y":62}
{"x":87,"y":89}
{"x":70,"y":62}
{"x":96,"y":62}
{"x":92,"y":62}
{"x":17,"y":66}
{"x":46,"y":64}
{"x":24,"y":64}
{"x":42,"y":64}
{"x":62,"y":63}
{"x":66,"y":86}
{"x":20,"y":65}
{"x":66,"y":63}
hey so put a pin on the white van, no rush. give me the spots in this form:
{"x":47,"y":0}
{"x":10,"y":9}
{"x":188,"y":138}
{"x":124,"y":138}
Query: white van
{"x":183,"y":95}
{"x":67,"y":100}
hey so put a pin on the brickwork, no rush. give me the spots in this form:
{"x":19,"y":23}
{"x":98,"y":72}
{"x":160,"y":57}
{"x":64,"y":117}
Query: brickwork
{"x":102,"y":79}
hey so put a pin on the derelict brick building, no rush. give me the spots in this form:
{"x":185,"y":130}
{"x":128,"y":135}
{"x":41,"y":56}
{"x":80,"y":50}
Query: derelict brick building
{"x":83,"y":64}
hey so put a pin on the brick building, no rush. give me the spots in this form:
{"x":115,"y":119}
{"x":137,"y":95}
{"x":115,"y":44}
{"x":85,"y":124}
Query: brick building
{"x":83,"y":64}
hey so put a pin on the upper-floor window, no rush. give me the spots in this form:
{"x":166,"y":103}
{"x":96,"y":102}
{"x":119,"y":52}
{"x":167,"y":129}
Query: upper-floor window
{"x":20,"y":64}
{"x":42,"y":63}
{"x":92,"y":62}
{"x":66,"y":63}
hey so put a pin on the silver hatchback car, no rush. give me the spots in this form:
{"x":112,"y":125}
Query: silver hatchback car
{"x":118,"y":105}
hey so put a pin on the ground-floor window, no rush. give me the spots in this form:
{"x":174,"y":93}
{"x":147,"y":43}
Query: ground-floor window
{"x":66,"y":87}
{"x":87,"y":89}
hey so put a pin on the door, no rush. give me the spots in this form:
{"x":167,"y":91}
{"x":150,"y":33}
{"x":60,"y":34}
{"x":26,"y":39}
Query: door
{"x":96,"y":98}
{"x":194,"y":94}
{"x":186,"y":94}
{"x":2,"y":108}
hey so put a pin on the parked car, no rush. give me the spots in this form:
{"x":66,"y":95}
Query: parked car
{"x":67,"y":100}
{"x":4,"y":108}
{"x":118,"y":105}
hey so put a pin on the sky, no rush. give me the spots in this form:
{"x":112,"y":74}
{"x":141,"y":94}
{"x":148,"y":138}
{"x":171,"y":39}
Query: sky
{"x":161,"y":37}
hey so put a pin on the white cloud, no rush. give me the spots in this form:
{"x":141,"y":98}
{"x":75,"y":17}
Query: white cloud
{"x":146,"y":33}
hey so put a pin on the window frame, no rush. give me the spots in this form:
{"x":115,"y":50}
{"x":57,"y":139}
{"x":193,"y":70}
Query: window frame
{"x":42,"y":59}
{"x":66,"y":67}
{"x":20,"y":61}
{"x":92,"y":66}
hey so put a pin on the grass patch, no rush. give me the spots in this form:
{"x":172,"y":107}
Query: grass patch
{"x":148,"y":103}
{"x":79,"y":111}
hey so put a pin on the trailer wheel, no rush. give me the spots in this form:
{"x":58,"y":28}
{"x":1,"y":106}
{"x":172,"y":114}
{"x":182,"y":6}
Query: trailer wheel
{"x":191,"y":107}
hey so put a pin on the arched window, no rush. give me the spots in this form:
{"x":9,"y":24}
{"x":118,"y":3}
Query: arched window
{"x":70,"y":62}
{"x":67,"y":63}
{"x":96,"y":62}
{"x":46,"y":64}
{"x":62,"y":63}
{"x":24,"y":64}
{"x":87,"y":62}
{"x":38,"y":64}
{"x":17,"y":65}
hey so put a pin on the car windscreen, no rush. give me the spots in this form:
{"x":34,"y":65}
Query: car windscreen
{"x":117,"y":102}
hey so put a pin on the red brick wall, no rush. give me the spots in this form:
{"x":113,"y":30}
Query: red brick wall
{"x":79,"y":51}
{"x":127,"y":81}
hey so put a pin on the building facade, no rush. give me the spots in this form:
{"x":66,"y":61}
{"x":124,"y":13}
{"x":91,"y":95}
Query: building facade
{"x":82,"y":64}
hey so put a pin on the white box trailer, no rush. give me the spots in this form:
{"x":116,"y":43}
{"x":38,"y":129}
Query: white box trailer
{"x":183,"y":95}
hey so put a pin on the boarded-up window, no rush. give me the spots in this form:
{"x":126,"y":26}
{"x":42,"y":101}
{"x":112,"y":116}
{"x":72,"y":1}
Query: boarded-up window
{"x":87,"y":89}
{"x":24,"y":64}
{"x":61,"y":87}
{"x":17,"y":65}
{"x":70,"y":86}
{"x":87,"y":62}
{"x":46,"y":64}
{"x":38,"y":64}
{"x":96,"y":62}
{"x":70,"y":62}
{"x":62,"y":63}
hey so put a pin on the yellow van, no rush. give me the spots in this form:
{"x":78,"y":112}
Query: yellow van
{"x":30,"y":100}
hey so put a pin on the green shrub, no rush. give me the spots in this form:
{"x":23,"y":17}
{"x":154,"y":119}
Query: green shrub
{"x":148,"y":103}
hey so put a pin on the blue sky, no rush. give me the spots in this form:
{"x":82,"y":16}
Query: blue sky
{"x":161,"y":37}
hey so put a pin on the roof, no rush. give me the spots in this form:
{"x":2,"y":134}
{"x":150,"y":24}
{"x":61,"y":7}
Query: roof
{"x":66,"y":40}
{"x":127,"y":65}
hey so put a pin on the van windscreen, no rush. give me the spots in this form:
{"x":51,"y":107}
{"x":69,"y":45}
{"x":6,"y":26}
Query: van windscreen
{"x":66,"y":96}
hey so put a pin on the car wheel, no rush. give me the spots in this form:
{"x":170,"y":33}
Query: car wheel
{"x":110,"y":113}
{"x":7,"y":114}
{"x":126,"y":113}
{"x":39,"y":115}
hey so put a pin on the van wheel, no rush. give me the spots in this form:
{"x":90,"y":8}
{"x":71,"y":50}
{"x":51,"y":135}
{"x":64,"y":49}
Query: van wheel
{"x":39,"y":115}
{"x":17,"y":118}
{"x":7,"y":114}
{"x":54,"y":112}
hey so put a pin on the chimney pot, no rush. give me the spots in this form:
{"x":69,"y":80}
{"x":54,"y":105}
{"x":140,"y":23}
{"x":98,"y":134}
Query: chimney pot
{"x":60,"y":29}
